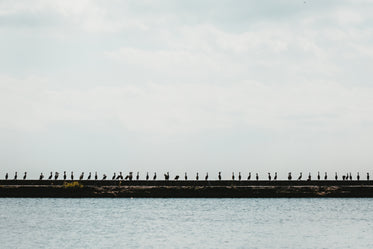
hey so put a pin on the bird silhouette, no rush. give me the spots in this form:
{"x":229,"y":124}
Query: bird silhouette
{"x":15,"y":176}
{"x":114,"y":176}
{"x":6,"y":176}
{"x":318,"y":175}
{"x":155,"y":176}
{"x":96,"y":176}
{"x":147,"y":176}
{"x":50,"y":176}
{"x":358,"y":176}
{"x":104,"y":177}
{"x":249,"y":176}
{"x":197,"y":176}
{"x":207,"y":176}
{"x":24,"y":176}
{"x":176,"y":177}
{"x":56,"y":175}
{"x":232,"y":176}
{"x":289,"y":176}
{"x":336,"y":176}
{"x":219,"y":176}
{"x":239,"y":176}
{"x":326,"y":176}
{"x":269,"y":176}
{"x":137,"y":176}
{"x":275,"y":177}
{"x":257,"y":177}
{"x":89,"y":176}
{"x":41,"y":176}
{"x":185,"y":176}
{"x":72,"y":175}
{"x":64,"y":175}
{"x":81,"y":176}
{"x":300,"y":176}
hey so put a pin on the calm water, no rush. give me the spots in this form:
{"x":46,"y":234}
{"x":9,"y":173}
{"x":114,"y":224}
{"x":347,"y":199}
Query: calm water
{"x":186,"y":223}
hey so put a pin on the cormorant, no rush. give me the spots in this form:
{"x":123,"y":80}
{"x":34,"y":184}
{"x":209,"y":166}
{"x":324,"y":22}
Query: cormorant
{"x":269,"y":176}
{"x":114,"y":176}
{"x":6,"y":176}
{"x":326,"y":176}
{"x":275,"y":177}
{"x":96,"y":175}
{"x":249,"y":176}
{"x":130,"y":176}
{"x":318,"y":175}
{"x":358,"y":176}
{"x":72,"y":175}
{"x":343,"y":177}
{"x":81,"y":176}
{"x":137,"y":176}
{"x":167,"y":176}
{"x":15,"y":176}
{"x":336,"y":176}
{"x":257,"y":177}
{"x":239,"y":176}
{"x":155,"y":176}
{"x":41,"y":176}
{"x":50,"y":176}
{"x":120,"y":176}
{"x":197,"y":177}
{"x":24,"y":176}
{"x":176,"y":177}
{"x":56,"y":175}
{"x":219,"y":176}
{"x":185,"y":176}
{"x":104,"y":177}
{"x":89,"y":176}
{"x":350,"y":176}
{"x":232,"y":176}
{"x":64,"y":175}
{"x":367,"y":176}
{"x":309,"y":176}
{"x":207,"y":176}
{"x":300,"y":176}
{"x":147,"y":176}
{"x":289,"y":176}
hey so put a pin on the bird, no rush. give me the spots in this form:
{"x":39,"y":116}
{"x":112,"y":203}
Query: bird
{"x":232,"y":176}
{"x":239,"y":176}
{"x":318,"y":175}
{"x":275,"y":177}
{"x":207,"y":176}
{"x":96,"y":176}
{"x":64,"y":175}
{"x":350,"y":176}
{"x":289,"y":176}
{"x":167,"y":176}
{"x":269,"y":176}
{"x":343,"y":177}
{"x":104,"y":177}
{"x":197,"y":177}
{"x":185,"y":176}
{"x":257,"y":177}
{"x":119,"y":176}
{"x":309,"y":177}
{"x":176,"y":177}
{"x":6,"y":176}
{"x":113,"y":176}
{"x":300,"y":176}
{"x":24,"y":176}
{"x":15,"y":176}
{"x":50,"y":176}
{"x":336,"y":176}
{"x":219,"y":176}
{"x":155,"y":176}
{"x":137,"y":176}
{"x":72,"y":175}
{"x":368,"y":176}
{"x":130,"y":176}
{"x":249,"y":176}
{"x":147,"y":176}
{"x":56,"y":175}
{"x":41,"y":176}
{"x":89,"y":176}
{"x":81,"y":176}
{"x":326,"y":176}
{"x":358,"y":176}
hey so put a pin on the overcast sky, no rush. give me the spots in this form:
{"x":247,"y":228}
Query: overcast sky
{"x":186,"y":86}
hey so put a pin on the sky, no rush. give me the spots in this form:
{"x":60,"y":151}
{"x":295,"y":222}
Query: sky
{"x":186,"y":86}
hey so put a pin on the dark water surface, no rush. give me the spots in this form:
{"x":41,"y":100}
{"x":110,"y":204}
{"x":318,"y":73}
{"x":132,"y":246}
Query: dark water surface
{"x":186,"y":223}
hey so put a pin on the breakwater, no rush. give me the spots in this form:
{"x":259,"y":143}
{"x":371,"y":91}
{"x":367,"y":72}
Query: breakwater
{"x":184,"y":189}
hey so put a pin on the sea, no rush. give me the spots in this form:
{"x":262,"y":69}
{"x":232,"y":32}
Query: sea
{"x":186,"y":223}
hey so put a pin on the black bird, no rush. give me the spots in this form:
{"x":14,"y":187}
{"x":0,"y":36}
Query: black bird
{"x":104,"y":177}
{"x":147,"y":176}
{"x":232,"y":176}
{"x":289,"y":176}
{"x":207,"y":176}
{"x":167,"y":176}
{"x":64,"y":175}
{"x":130,"y":176}
{"x":96,"y":176}
{"x":155,"y":176}
{"x":300,"y":176}
{"x":350,"y":176}
{"x":6,"y":176}
{"x":269,"y":176}
{"x":41,"y":176}
{"x":119,"y":176}
{"x":318,"y":175}
{"x":89,"y":176}
{"x":56,"y":175}
{"x":113,"y":178}
{"x":239,"y":176}
{"x":309,"y":177}
{"x":368,"y":176}
{"x":257,"y":177}
{"x":24,"y":176}
{"x":127,"y":177}
{"x":336,"y":176}
{"x":72,"y":175}
{"x":343,"y":177}
{"x":219,"y":176}
{"x":15,"y":176}
{"x":197,"y":177}
{"x":185,"y":176}
{"x":137,"y":176}
{"x":275,"y":177}
{"x":326,"y":176}
{"x":176,"y":177}
{"x":249,"y":176}
{"x":81,"y":176}
{"x":358,"y":176}
{"x":50,"y":176}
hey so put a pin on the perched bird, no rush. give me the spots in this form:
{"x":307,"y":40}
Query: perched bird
{"x":358,"y":176}
{"x":41,"y":176}
{"x":130,"y":176}
{"x":6,"y":176}
{"x":219,"y":176}
{"x":185,"y":176}
{"x":64,"y":175}
{"x":249,"y":176}
{"x":269,"y":176}
{"x":350,"y":176}
{"x":275,"y":177}
{"x":155,"y":176}
{"x":232,"y":176}
{"x":15,"y":176}
{"x":326,"y":176}
{"x":137,"y":176}
{"x":300,"y":176}
{"x":368,"y":176}
{"x":197,"y":177}
{"x":318,"y":175}
{"x":119,"y":176}
{"x":257,"y":177}
{"x":104,"y":177}
{"x":56,"y":175}
{"x":114,"y":176}
{"x":81,"y":176}
{"x":24,"y":176}
{"x":207,"y":176}
{"x":343,"y":177}
{"x":289,"y":176}
{"x":309,"y":177}
{"x":50,"y":176}
{"x":239,"y":176}
{"x":89,"y":176}
{"x":96,"y":176}
{"x":167,"y":176}
{"x":72,"y":175}
{"x":147,"y":176}
{"x":176,"y":177}
{"x":336,"y":176}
